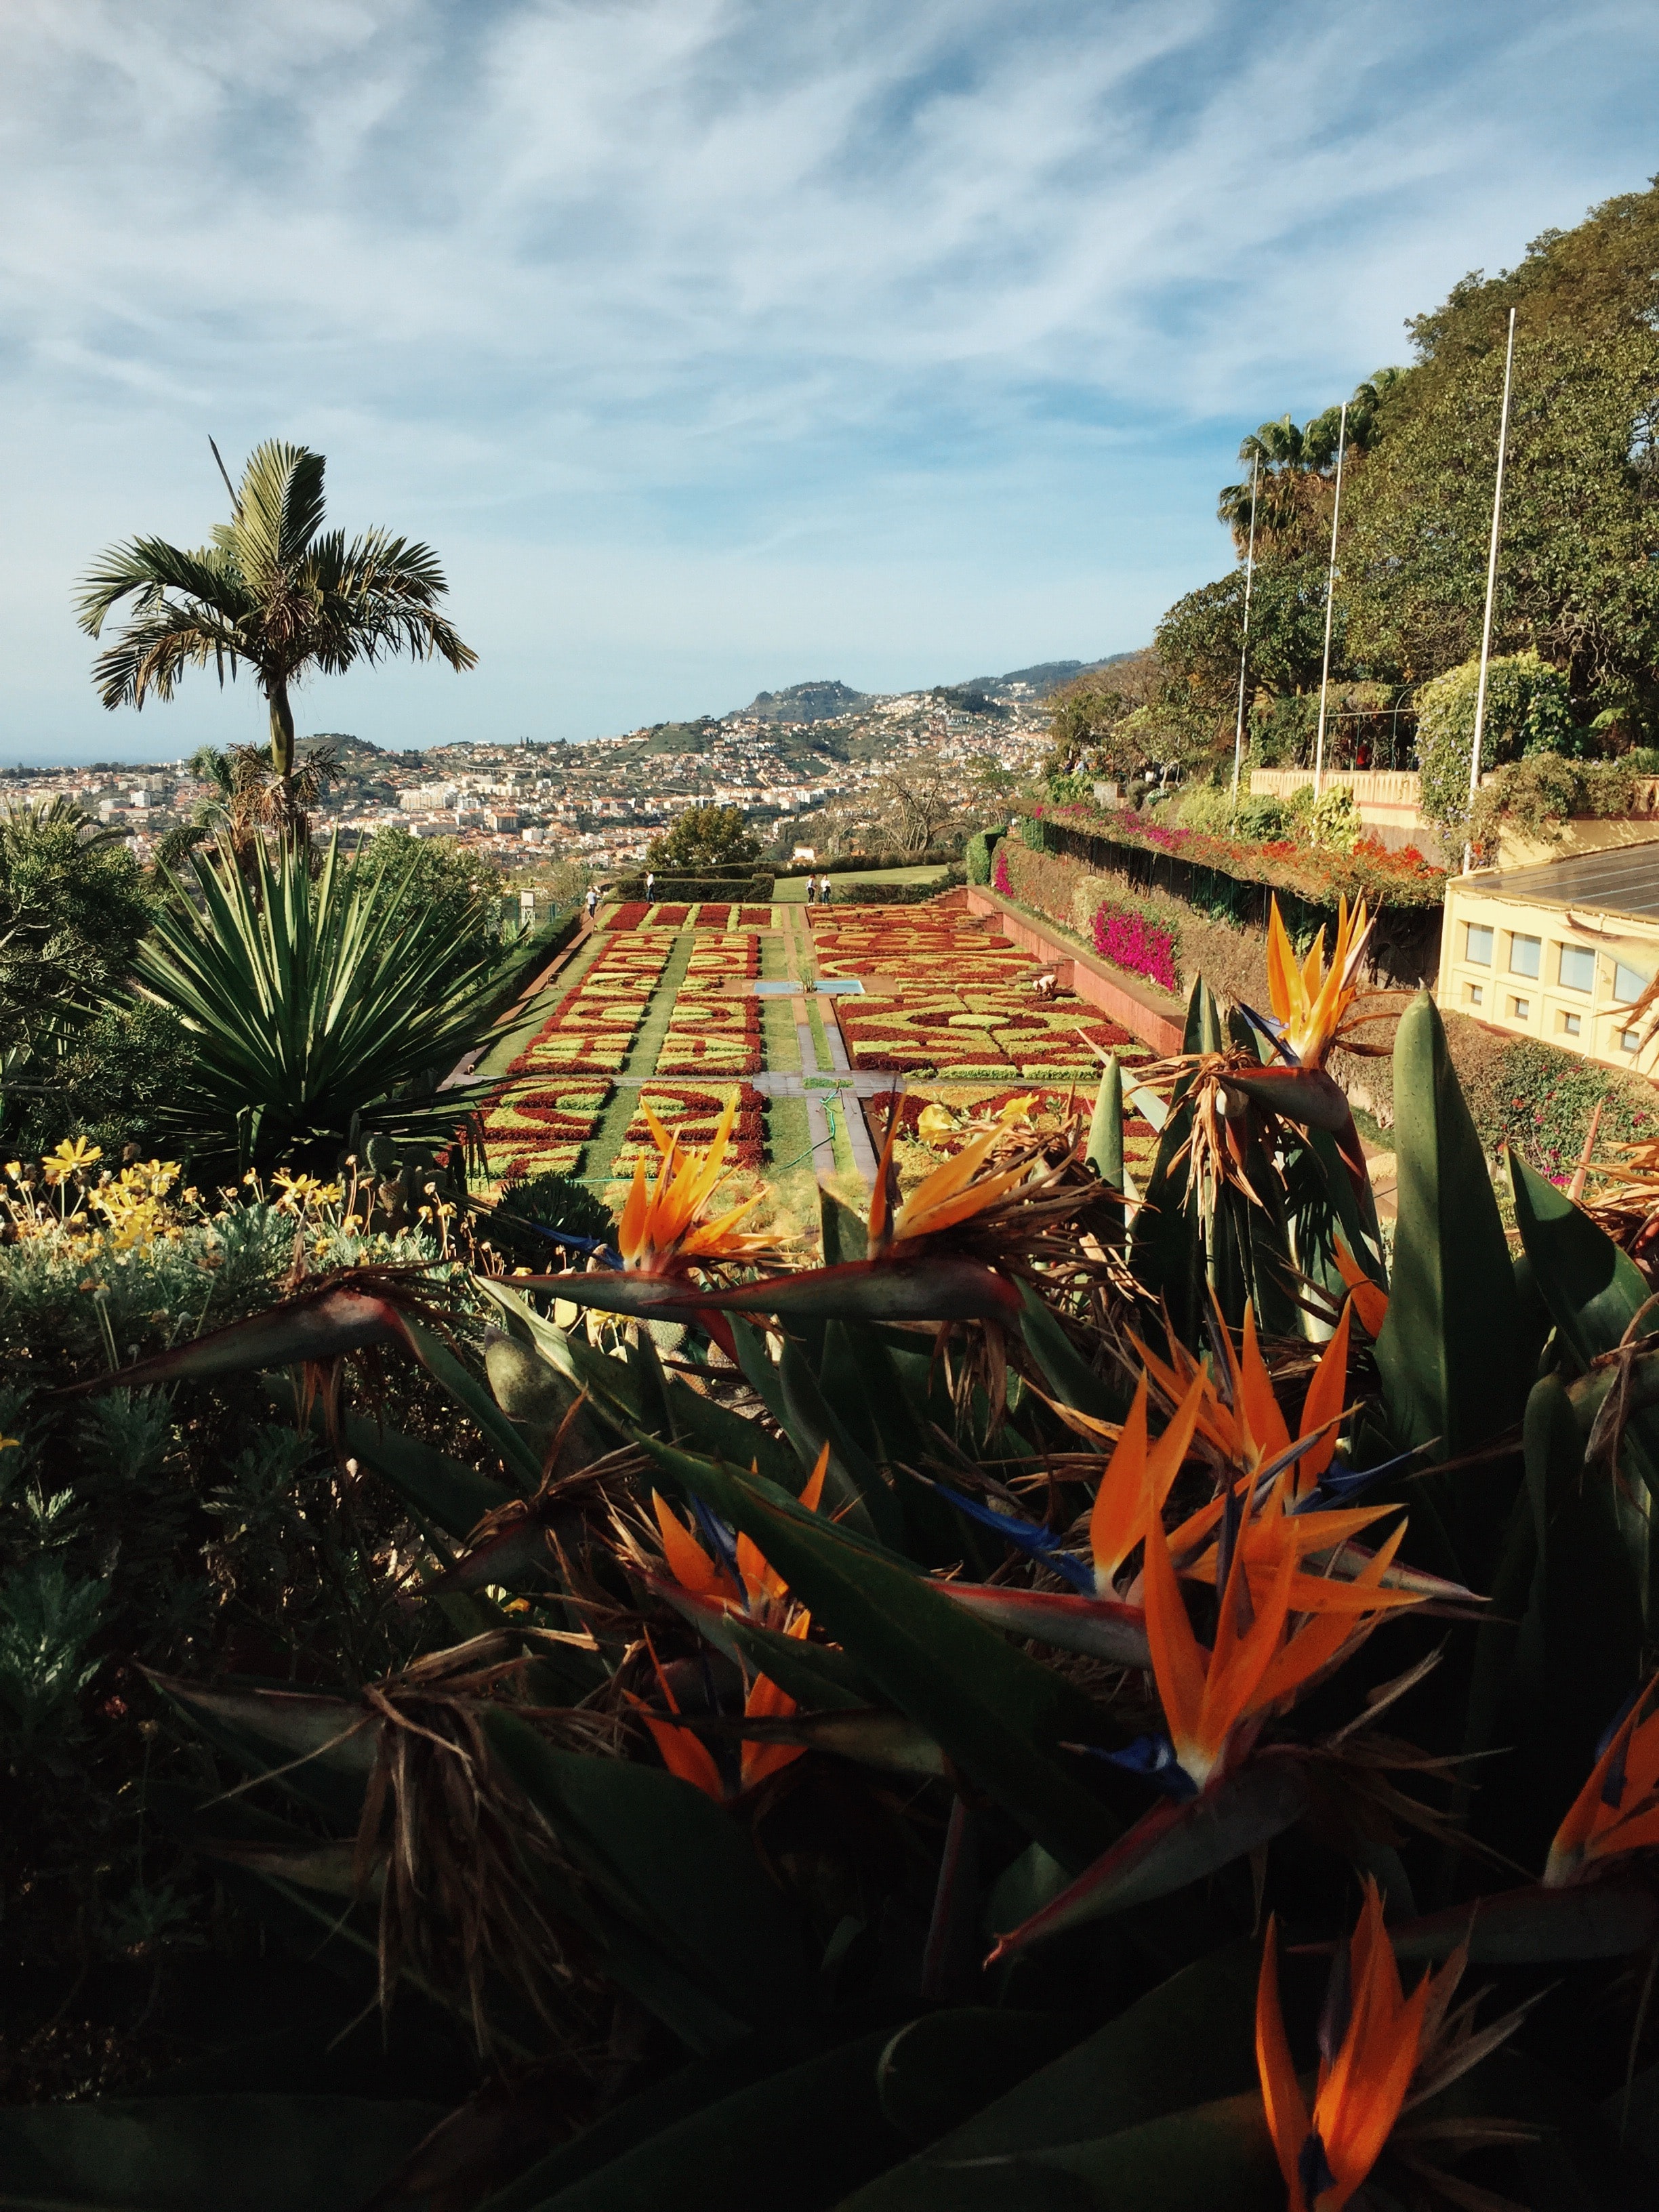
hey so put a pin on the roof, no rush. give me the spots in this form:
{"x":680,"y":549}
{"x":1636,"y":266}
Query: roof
{"x":1624,"y":879}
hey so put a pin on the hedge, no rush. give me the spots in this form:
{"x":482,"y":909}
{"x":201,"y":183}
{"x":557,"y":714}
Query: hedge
{"x":1230,"y":873}
{"x":976,"y":854}
{"x":739,"y":890}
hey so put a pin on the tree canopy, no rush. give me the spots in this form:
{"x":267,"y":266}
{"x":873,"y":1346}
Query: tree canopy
{"x":1578,"y":572}
{"x":705,"y":838}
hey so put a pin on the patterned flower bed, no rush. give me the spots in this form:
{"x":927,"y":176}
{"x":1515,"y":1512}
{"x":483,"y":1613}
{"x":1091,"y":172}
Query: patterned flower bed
{"x":593,"y":1027}
{"x":948,"y":998}
{"x":693,"y":1110}
{"x":629,"y":916}
{"x":980,"y":1100}
{"x":538,"y":1132}
{"x":711,"y":1031}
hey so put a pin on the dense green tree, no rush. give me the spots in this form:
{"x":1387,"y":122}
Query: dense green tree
{"x":274,"y":593}
{"x":460,"y":888}
{"x":1578,"y":576}
{"x":73,"y":908}
{"x":704,"y":837}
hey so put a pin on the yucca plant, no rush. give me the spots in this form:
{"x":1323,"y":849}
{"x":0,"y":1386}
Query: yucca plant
{"x":310,"y":1005}
{"x":996,"y":1737}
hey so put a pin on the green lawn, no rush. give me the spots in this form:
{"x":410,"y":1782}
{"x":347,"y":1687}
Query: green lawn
{"x":791,"y":891}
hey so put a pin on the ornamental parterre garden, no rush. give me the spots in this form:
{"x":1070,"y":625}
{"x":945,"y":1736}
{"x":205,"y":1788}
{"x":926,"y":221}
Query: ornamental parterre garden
{"x":665,"y":997}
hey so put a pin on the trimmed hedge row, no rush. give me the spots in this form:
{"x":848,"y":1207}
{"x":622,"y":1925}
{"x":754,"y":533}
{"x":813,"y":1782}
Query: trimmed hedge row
{"x":738,"y":890}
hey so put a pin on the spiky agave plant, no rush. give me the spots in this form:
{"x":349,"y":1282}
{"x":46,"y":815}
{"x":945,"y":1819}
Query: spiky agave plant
{"x":309,"y":1005}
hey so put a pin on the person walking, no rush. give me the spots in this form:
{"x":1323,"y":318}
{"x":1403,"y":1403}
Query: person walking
{"x":824,"y":891}
{"x":591,"y":902}
{"x":650,"y":878}
{"x":811,"y":889}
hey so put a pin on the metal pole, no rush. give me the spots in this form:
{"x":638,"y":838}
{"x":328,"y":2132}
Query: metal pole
{"x":1330,"y":605}
{"x":1244,"y":642}
{"x":1492,"y":587}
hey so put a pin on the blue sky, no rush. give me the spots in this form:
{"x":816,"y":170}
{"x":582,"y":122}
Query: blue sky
{"x":718,"y":344}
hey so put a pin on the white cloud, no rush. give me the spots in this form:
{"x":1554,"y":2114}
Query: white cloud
{"x":826,"y":321}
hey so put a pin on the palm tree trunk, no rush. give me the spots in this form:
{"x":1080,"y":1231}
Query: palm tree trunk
{"x":282,"y":731}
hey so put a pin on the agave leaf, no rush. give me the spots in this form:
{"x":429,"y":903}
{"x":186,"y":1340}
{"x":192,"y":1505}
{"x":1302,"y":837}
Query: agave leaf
{"x":1100,"y":1627}
{"x":443,"y":1491}
{"x":198,"y":2154}
{"x":1592,"y":1290}
{"x":1175,"y":1843}
{"x":870,"y":1738}
{"x":317,"y":1325}
{"x":1104,"y":1151}
{"x":1539,"y":1927}
{"x":1073,"y":1381}
{"x":820,"y":2117}
{"x":518,"y":1455}
{"x":995,"y":1711}
{"x":670,"y":1859}
{"x":1454,"y":1367}
{"x":930,"y":1288}
{"x":321,"y":1748}
{"x":1187,"y":2041}
{"x":942,"y":2069}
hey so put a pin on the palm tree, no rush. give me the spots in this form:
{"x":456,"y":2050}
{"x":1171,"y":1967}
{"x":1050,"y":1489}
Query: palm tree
{"x":273,"y":591}
{"x":1293,"y":464}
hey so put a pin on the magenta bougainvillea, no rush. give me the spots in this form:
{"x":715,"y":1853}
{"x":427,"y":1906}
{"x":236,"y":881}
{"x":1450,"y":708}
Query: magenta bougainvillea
{"x":1129,"y":941}
{"x":1000,"y":874}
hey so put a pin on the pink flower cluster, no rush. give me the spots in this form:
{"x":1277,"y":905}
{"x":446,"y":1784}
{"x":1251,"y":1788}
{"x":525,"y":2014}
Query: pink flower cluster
{"x":1000,"y":874}
{"x":1132,"y":943}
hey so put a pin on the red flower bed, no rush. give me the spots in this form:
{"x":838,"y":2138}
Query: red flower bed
{"x":712,"y":917}
{"x":628,"y":917}
{"x":1315,"y":873}
{"x":671,"y":917}
{"x":755,"y":917}
{"x":693,"y":1110}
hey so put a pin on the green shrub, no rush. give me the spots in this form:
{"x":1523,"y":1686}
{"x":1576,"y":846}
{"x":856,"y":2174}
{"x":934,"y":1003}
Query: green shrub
{"x":1527,"y":713}
{"x":980,"y":847}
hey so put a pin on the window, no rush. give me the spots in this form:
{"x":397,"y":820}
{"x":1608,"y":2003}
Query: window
{"x":1477,"y":943}
{"x":1474,"y":994}
{"x":1523,"y":955}
{"x":1630,"y":1040}
{"x":1628,"y":984}
{"x":1569,"y":1024}
{"x":1577,"y":968}
{"x":1520,"y":1010}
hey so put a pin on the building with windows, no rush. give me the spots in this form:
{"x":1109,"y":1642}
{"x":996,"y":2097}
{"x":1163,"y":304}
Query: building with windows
{"x":1559,"y":952}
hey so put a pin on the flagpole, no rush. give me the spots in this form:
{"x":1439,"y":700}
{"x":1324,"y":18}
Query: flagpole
{"x":1330,"y":605}
{"x":1244,"y":642}
{"x":1492,"y":587}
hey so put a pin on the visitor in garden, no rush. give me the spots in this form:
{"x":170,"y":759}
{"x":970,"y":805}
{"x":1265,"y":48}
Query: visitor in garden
{"x":811,"y":889}
{"x":650,"y":878}
{"x":824,"y":891}
{"x":591,"y":902}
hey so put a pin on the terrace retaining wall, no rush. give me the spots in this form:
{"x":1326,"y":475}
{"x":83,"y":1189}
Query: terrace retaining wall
{"x":1078,"y":970}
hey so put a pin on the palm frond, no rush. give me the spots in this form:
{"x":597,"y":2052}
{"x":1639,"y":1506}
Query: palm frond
{"x":280,"y":510}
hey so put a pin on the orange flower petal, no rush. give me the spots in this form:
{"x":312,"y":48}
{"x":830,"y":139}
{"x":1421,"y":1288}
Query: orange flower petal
{"x":1281,"y":2093}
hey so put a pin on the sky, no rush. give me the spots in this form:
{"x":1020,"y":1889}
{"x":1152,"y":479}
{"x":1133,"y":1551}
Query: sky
{"x":718,"y":344}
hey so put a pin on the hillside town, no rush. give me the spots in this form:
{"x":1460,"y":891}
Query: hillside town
{"x":790,"y":760}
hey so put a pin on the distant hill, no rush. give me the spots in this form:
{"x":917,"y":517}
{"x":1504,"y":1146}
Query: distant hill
{"x":820,"y":702}
{"x":1042,"y":677}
